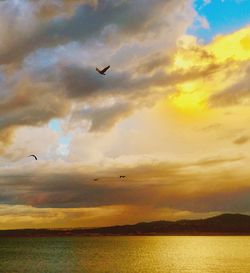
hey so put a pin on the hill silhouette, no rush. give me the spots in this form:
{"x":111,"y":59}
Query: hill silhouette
{"x":225,"y":224}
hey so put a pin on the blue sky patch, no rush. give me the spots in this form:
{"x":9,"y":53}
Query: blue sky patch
{"x":223,"y":16}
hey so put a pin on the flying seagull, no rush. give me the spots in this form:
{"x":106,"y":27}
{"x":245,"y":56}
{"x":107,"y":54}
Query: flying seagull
{"x":33,"y":156}
{"x":102,"y":72}
{"x":123,"y":176}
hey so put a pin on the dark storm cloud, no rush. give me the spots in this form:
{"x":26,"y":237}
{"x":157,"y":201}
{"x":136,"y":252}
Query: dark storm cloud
{"x":165,"y":185}
{"x":36,"y":98}
{"x":70,"y":190}
{"x":26,"y":109}
{"x":31,"y":104}
{"x":137,"y":18}
{"x":135,"y":91}
{"x":50,"y":91}
{"x":85,"y":82}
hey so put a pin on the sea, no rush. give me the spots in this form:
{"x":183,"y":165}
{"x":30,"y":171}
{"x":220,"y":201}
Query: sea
{"x":135,"y":254}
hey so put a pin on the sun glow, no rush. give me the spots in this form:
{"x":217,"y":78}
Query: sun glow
{"x":190,"y":98}
{"x":235,"y":46}
{"x":213,"y":61}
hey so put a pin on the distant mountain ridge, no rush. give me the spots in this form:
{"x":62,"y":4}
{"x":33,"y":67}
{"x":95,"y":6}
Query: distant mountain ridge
{"x":225,"y":224}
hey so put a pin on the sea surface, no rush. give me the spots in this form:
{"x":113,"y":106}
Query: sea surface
{"x":159,"y":254}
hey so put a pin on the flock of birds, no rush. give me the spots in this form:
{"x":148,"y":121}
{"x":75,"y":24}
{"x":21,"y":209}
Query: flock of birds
{"x":102,"y":72}
{"x":121,"y":177}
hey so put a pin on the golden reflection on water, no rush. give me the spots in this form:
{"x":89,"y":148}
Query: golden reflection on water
{"x":204,"y":254}
{"x":159,"y":254}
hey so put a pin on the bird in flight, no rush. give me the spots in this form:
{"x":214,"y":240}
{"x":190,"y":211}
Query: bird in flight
{"x":102,"y":72}
{"x":123,"y":176}
{"x":33,"y":156}
{"x":96,"y":179}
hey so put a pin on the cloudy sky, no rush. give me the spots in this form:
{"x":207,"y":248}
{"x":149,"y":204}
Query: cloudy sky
{"x":172,"y":113}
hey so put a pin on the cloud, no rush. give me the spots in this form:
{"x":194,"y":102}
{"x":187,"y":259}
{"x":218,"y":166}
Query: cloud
{"x":225,"y":61}
{"x":159,"y":184}
{"x":84,"y":85}
{"x":201,"y":22}
{"x":29,"y":217}
{"x":40,"y":83}
{"x":140,"y":109}
{"x":206,"y":2}
{"x":59,"y":87}
{"x":106,"y":117}
{"x":216,"y":161}
{"x":49,"y":9}
{"x":236,"y":93}
{"x":214,"y":126}
{"x":5,"y":139}
{"x":241,"y":140}
{"x":145,"y":19}
{"x":153,"y":62}
{"x":40,"y":96}
{"x":79,"y":94}
{"x":31,"y":104}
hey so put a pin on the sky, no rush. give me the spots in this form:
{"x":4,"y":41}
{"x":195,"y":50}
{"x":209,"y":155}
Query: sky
{"x":171,"y":114}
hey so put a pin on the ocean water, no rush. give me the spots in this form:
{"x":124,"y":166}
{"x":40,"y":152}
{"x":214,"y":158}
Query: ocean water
{"x":159,"y":254}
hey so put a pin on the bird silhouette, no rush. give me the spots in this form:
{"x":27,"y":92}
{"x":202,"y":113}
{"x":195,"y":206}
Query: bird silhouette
{"x":102,"y":72}
{"x":123,"y":176}
{"x":33,"y":156}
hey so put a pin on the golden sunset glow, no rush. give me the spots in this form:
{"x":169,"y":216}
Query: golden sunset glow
{"x":190,"y":98}
{"x":170,"y":116}
{"x":231,"y":47}
{"x":232,"y":50}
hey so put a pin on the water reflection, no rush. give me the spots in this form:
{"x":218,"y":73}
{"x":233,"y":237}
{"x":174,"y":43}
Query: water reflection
{"x":185,"y":254}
